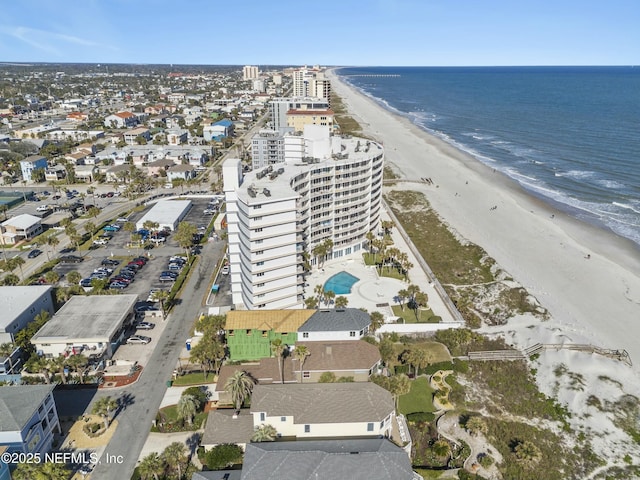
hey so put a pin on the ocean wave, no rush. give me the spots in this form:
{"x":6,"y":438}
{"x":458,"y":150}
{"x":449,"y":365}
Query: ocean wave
{"x":610,"y":183}
{"x":577,"y":174}
{"x":627,"y":207}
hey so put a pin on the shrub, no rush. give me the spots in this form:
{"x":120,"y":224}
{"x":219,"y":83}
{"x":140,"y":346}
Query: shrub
{"x":223,"y":456}
{"x":418,"y":417}
{"x":434,"y":367}
{"x":485,"y":460}
{"x":199,"y":394}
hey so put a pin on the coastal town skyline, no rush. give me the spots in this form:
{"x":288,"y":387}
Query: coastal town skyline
{"x":384,"y":32}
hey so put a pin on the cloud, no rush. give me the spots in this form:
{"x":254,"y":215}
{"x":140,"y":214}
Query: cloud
{"x":44,"y":40}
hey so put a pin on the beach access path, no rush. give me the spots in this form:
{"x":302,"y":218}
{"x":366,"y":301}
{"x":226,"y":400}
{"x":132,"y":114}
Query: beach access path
{"x":588,"y":278}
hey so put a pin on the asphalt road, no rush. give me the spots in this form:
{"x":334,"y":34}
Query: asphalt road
{"x":143,"y":398}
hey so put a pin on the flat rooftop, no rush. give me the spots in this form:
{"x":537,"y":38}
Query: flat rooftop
{"x":15,"y":300}
{"x":90,"y":318}
{"x":166,"y":211}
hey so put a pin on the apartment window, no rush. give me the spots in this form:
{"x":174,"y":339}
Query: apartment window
{"x":369,"y":427}
{"x":258,"y":241}
{"x":305,"y":335}
{"x":306,"y":375}
{"x":352,"y":334}
{"x":258,"y":229}
{"x":259,"y":252}
{"x":262,"y":305}
{"x":264,"y":333}
{"x":248,"y":332}
{"x":256,"y":207}
{"x":283,"y":419}
{"x":260,"y":285}
{"x":263,"y":416}
{"x":259,"y":264}
{"x":361,"y":332}
{"x":307,"y":428}
{"x":261,"y":274}
{"x":256,"y":219}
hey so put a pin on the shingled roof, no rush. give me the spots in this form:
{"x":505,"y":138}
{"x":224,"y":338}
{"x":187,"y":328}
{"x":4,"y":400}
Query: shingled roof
{"x":282,"y":321}
{"x":370,"y":459}
{"x":324,"y":402}
{"x":19,"y":403}
{"x":336,"y":319}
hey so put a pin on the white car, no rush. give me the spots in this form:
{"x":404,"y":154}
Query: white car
{"x":225,"y":270}
{"x":43,"y":208}
{"x":100,"y":241}
{"x":138,"y":339}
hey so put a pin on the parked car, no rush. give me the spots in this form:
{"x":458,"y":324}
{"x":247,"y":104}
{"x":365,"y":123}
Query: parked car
{"x":209,"y":211}
{"x":122,"y":220}
{"x":128,"y":272}
{"x":138,"y":339}
{"x":110,"y":261}
{"x":34,"y":253}
{"x":152,"y":293}
{"x":121,"y":279}
{"x":168,"y":273}
{"x":111,"y":228}
{"x":175,"y":259}
{"x":174,"y":267}
{"x":225,"y":270}
{"x":43,"y":208}
{"x":118,"y":285}
{"x":166,"y":278}
{"x":100,"y":241}
{"x":146,"y":308}
{"x":71,"y":259}
{"x":145,"y":326}
{"x":86,"y":282}
{"x":106,"y":270}
{"x":142,"y":259}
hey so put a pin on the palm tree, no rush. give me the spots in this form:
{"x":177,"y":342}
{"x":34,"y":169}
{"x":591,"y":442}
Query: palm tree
{"x":420,"y":299}
{"x":264,"y":433}
{"x":441,"y":448}
{"x":278,"y":348}
{"x":161,"y":296}
{"x":94,"y":211}
{"x":399,"y":385}
{"x":104,"y":407}
{"x":176,"y":455}
{"x":51,"y":277}
{"x":341,"y":302}
{"x":129,"y":227}
{"x":476,"y":425}
{"x":19,"y":262}
{"x":370,"y":236}
{"x":77,"y":363}
{"x":311,"y":302}
{"x":151,"y":466}
{"x":187,"y":408}
{"x":300,"y":353}
{"x":239,"y":385}
{"x":90,"y":228}
{"x":52,"y":241}
{"x":377,"y":320}
{"x":329,"y":295}
{"x":527,"y":453}
{"x":6,"y":349}
{"x":41,"y":471}
{"x":74,"y":277}
{"x":319,"y":291}
{"x":11,"y":280}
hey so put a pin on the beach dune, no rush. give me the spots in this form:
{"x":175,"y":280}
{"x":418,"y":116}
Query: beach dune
{"x":588,"y":278}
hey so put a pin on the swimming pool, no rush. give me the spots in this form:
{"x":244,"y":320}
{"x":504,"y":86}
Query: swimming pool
{"x":340,"y":283}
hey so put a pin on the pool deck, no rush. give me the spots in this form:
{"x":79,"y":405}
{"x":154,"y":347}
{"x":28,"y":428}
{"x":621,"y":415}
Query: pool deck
{"x":372,"y":291}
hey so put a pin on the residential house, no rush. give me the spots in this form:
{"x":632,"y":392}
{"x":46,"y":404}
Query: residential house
{"x":181,"y":172}
{"x":357,"y":360}
{"x":131,"y":136}
{"x":115,"y":173}
{"x":19,"y":228}
{"x":370,"y":459}
{"x":250,"y":333}
{"x":77,"y":158}
{"x":174,"y":121}
{"x":28,"y":418}
{"x":86,"y":173}
{"x":156,"y":109}
{"x":218,"y":130}
{"x":154,"y":168}
{"x":55,"y":173}
{"x":335,"y":324}
{"x":298,"y":118}
{"x":77,"y":117}
{"x":176,"y":136}
{"x":29,"y":164}
{"x":121,"y":120}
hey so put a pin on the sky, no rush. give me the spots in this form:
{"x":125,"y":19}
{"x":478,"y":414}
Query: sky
{"x":329,"y":32}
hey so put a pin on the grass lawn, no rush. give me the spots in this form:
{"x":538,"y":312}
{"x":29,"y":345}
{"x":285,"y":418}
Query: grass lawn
{"x":196,"y":378}
{"x":419,"y":399}
{"x":438,"y":350}
{"x":409,"y":315}
{"x":172,"y":424}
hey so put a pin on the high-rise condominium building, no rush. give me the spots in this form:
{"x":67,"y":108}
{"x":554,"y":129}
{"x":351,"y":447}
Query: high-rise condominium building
{"x":330,"y":189}
{"x":249,"y":72}
{"x":311,"y":82}
{"x":278,"y":108}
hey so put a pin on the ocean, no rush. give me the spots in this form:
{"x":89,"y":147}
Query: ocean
{"x":568,"y":135}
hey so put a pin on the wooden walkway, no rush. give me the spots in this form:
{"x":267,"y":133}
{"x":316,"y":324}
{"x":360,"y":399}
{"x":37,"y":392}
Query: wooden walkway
{"x":620,"y":355}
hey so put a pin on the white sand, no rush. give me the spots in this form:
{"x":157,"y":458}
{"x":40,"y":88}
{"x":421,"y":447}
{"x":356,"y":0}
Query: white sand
{"x":595,"y":300}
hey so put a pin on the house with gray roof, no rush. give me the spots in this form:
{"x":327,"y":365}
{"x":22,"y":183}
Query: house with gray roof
{"x":28,"y":418}
{"x":226,"y":426}
{"x":365,"y":459}
{"x":335,"y":324}
{"x":324,"y":410}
